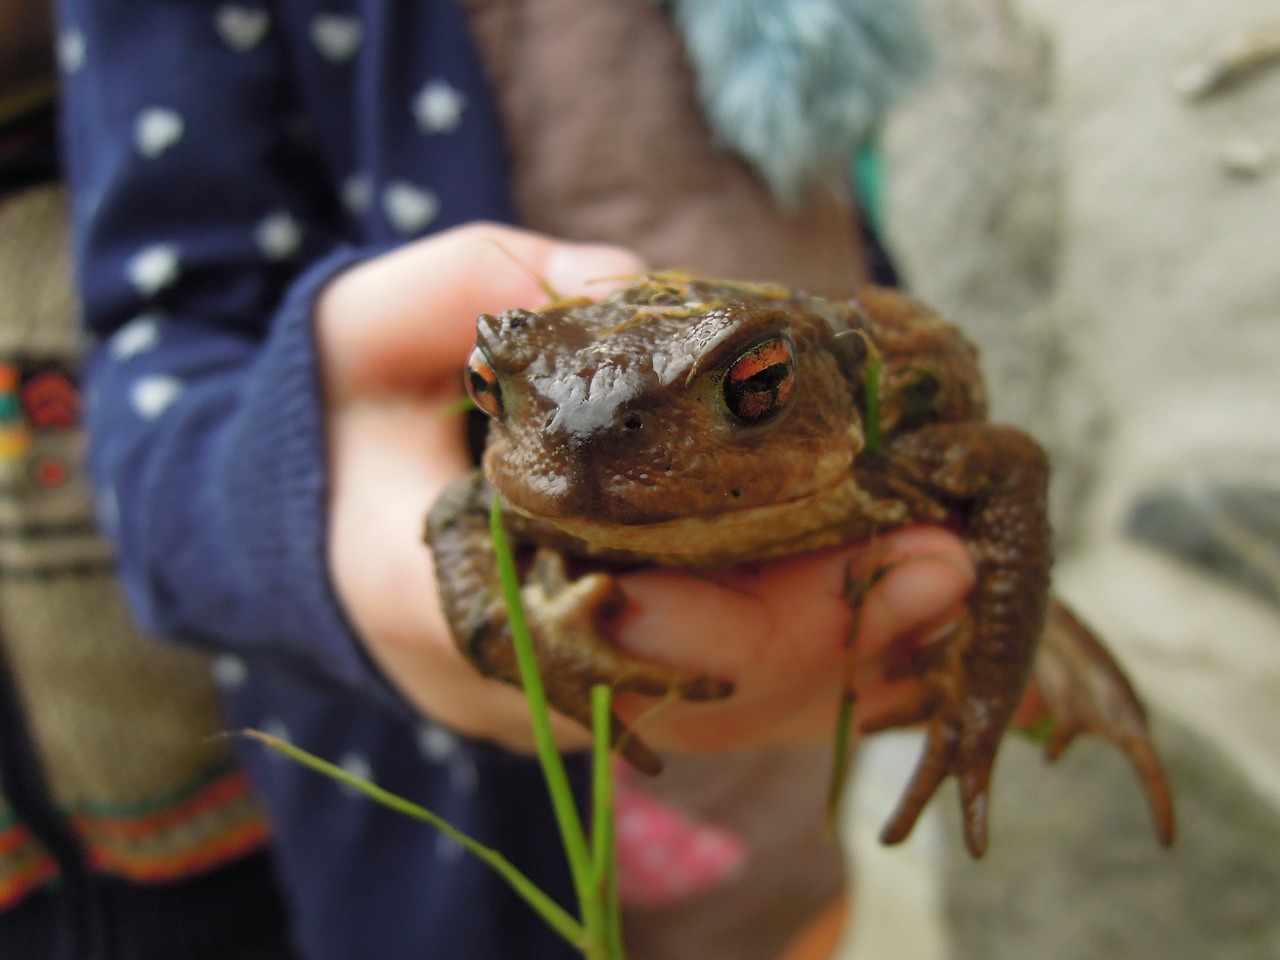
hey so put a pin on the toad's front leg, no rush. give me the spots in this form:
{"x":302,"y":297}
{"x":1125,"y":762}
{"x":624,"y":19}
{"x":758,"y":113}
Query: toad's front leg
{"x":563,"y":613}
{"x":996,"y":478}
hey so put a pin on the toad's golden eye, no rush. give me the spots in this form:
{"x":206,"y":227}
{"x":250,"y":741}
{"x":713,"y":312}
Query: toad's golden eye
{"x":760,"y":383}
{"x":482,"y":384}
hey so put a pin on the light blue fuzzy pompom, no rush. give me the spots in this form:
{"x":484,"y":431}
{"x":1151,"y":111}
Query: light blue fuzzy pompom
{"x":796,"y":86}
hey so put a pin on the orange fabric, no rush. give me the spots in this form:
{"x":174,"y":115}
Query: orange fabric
{"x":819,"y":940}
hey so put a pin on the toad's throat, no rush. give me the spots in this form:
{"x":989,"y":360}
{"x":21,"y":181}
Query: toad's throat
{"x":827,"y":517}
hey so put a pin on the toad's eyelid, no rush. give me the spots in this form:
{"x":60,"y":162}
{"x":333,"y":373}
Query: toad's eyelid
{"x":737,"y":335}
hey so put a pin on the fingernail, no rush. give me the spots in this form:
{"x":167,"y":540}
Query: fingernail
{"x":590,"y":270}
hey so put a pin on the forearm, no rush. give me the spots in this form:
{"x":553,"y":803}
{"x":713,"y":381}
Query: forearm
{"x":209,"y":452}
{"x":201,"y":245}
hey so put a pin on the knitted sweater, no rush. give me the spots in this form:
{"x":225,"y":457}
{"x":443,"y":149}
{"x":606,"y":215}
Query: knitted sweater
{"x":108,"y":769}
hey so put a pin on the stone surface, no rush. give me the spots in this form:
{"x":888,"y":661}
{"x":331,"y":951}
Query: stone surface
{"x":1112,"y":248}
{"x":1231,"y":530}
{"x":897,"y":891}
{"x":975,"y":214}
{"x":1074,"y":870}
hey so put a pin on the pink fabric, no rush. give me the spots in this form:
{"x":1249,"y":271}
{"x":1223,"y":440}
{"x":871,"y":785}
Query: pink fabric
{"x":663,"y":856}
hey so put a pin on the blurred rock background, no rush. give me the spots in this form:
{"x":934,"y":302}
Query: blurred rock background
{"x":1093,"y":190}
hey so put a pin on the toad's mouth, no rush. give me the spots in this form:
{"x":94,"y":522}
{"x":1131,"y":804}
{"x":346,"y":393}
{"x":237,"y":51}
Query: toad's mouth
{"x":814,"y":520}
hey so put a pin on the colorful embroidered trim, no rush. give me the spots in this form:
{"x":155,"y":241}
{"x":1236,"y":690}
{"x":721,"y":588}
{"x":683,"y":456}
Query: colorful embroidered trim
{"x":24,"y":865}
{"x":214,"y":824}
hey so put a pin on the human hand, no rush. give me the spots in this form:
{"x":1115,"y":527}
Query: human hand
{"x":394,"y":334}
{"x":779,"y":630}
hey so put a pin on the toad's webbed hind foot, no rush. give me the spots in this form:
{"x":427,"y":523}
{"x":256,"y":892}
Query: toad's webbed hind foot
{"x":962,"y":735}
{"x":1084,"y":690}
{"x":1080,"y":689}
{"x":957,"y":745}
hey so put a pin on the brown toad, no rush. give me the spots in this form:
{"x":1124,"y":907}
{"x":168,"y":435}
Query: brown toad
{"x":692,"y":423}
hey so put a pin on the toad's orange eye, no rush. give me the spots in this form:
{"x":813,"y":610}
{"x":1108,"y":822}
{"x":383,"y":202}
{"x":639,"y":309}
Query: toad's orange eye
{"x":482,"y":384}
{"x":760,"y":383}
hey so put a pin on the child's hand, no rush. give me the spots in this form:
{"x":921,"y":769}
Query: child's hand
{"x":778,"y":631}
{"x":394,"y":334}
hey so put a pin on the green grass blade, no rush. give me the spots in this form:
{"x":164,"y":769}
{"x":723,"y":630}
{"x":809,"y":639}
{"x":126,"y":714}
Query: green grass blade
{"x":604,"y":868}
{"x":839,"y":761}
{"x":602,"y":785}
{"x":566,"y":812}
{"x":559,"y":919}
{"x":463,"y":405}
{"x":872,"y":426}
{"x":1041,"y":732}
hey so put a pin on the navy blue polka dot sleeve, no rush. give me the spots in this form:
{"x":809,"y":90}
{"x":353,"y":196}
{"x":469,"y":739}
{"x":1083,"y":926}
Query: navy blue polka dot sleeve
{"x":226,"y":160}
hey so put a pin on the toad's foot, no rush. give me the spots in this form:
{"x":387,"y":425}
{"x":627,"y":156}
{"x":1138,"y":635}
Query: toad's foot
{"x":564,"y":618}
{"x":1084,"y":690}
{"x":1078,"y":687}
{"x":961,"y":738}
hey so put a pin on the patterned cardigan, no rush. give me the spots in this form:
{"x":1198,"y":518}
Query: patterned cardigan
{"x":121,"y":729}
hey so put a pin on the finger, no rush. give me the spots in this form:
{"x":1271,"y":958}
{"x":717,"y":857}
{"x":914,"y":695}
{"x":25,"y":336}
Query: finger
{"x":413,"y":310}
{"x":778,"y":631}
{"x":794,"y":610}
{"x":927,"y":573}
{"x":690,"y":623}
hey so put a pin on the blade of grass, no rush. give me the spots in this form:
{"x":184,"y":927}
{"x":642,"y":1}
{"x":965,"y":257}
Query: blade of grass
{"x":613,"y":918}
{"x":464,"y":404}
{"x":1040,"y":732}
{"x":839,"y":761}
{"x":872,"y":426}
{"x":602,"y":823}
{"x":848,"y":699}
{"x":559,"y":919}
{"x":602,"y":785}
{"x":562,"y":802}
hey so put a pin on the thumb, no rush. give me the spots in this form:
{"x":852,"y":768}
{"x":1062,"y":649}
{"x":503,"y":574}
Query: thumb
{"x":926,"y":573}
{"x":408,"y":316}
